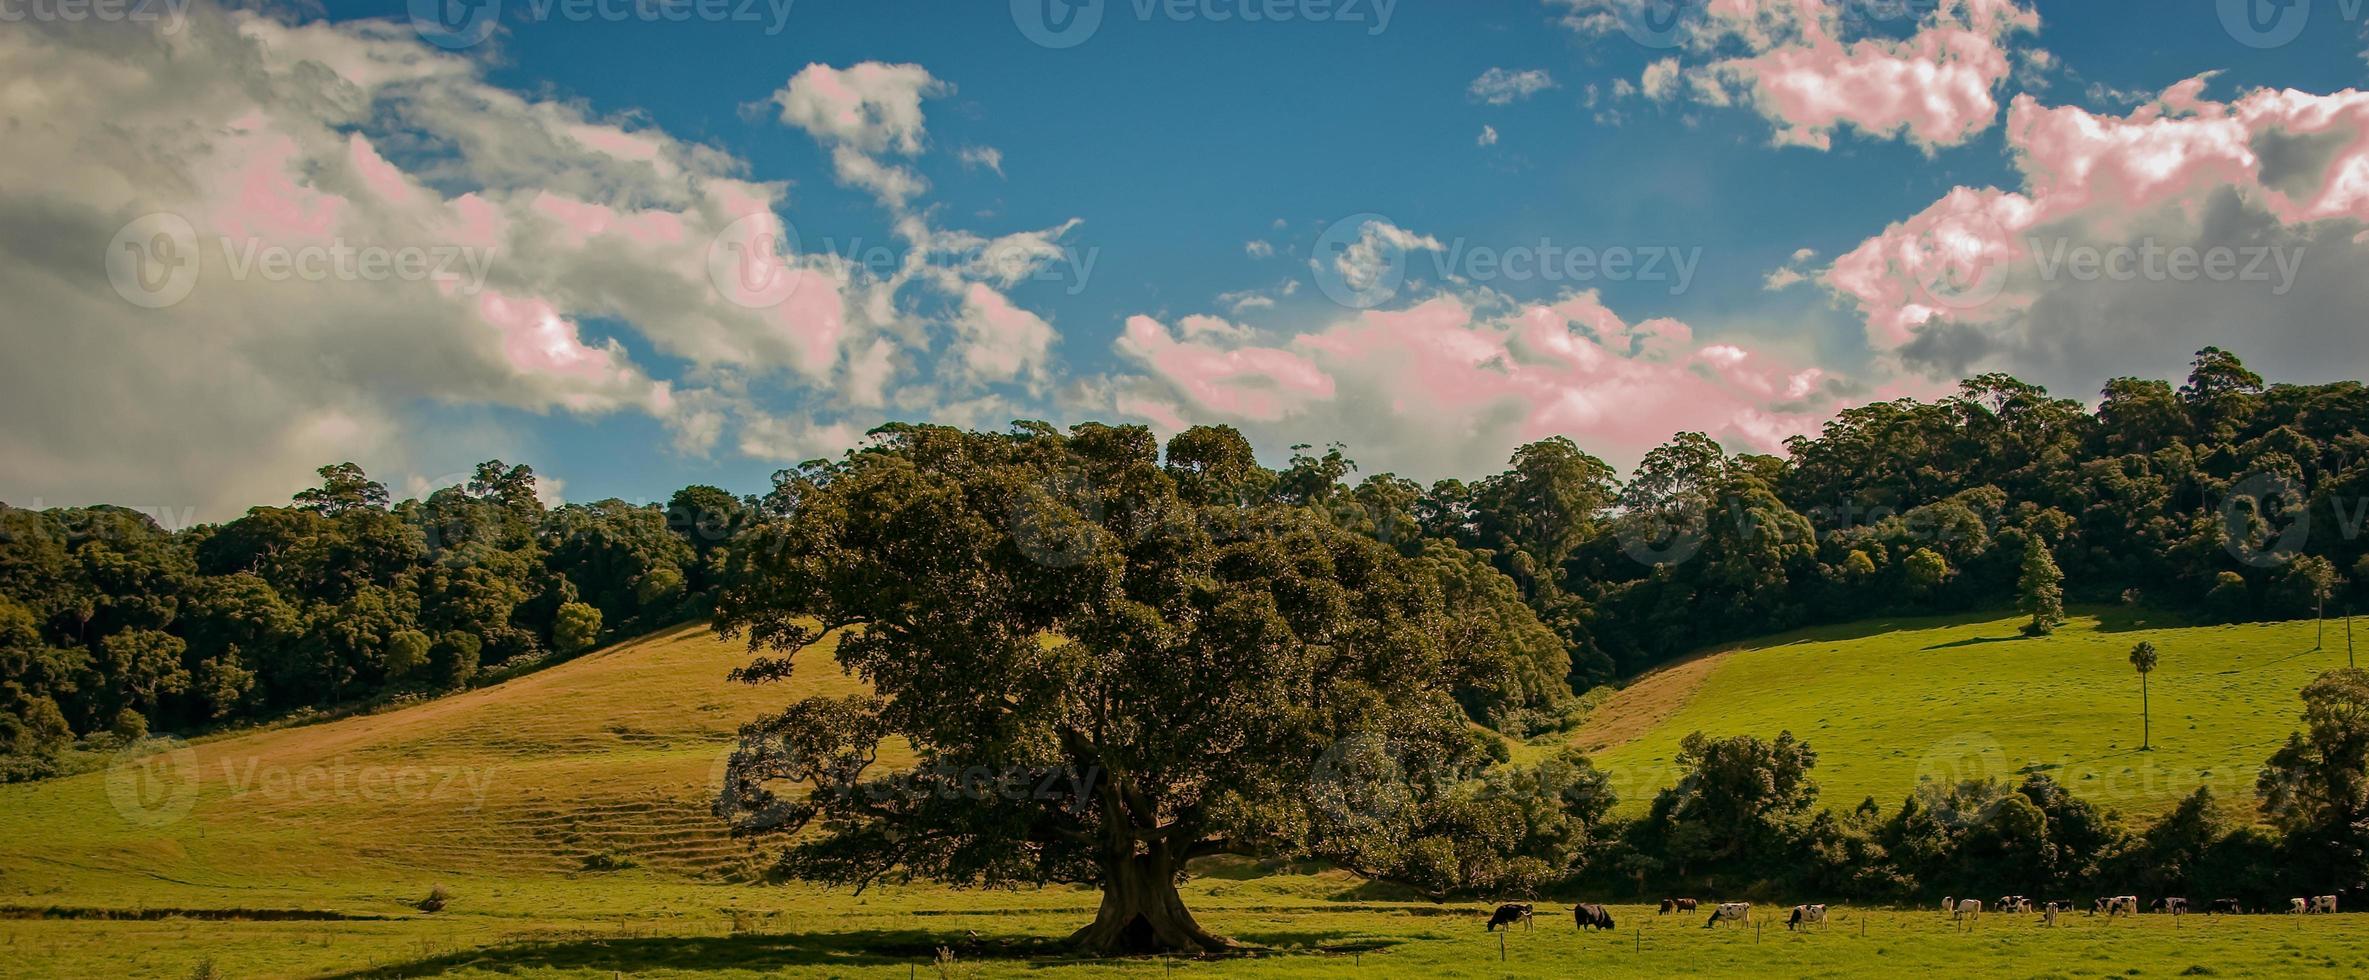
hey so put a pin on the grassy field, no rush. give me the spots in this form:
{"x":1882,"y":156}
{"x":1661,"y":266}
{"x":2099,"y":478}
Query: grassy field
{"x":1886,"y":704}
{"x":565,"y":813}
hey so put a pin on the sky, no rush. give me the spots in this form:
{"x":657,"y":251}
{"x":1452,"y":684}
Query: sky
{"x":645,"y":243}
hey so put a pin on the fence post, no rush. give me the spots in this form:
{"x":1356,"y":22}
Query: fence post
{"x":1501,"y":946}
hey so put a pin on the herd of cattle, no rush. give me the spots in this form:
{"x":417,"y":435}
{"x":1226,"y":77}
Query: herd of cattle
{"x":1587,"y":916}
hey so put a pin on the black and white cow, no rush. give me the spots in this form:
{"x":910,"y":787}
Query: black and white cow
{"x":1966,"y":908}
{"x":2298,"y":906}
{"x":1588,"y":917}
{"x":1739,"y":913}
{"x":2175,"y":906}
{"x":2227,"y":906}
{"x":2014,"y":903}
{"x":2113,"y":905}
{"x":2323,"y":904}
{"x":1805,"y":916}
{"x":1510,"y":913}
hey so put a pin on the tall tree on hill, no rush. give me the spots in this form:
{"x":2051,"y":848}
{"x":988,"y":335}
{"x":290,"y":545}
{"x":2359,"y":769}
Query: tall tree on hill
{"x":2144,"y":658}
{"x":1040,"y":603}
{"x":2041,"y":588}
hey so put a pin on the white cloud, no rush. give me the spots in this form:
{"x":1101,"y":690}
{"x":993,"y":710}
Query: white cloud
{"x":1501,"y":86}
{"x":1488,"y":136}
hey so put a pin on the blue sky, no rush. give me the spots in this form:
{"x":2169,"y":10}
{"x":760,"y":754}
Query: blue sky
{"x":1204,"y":164}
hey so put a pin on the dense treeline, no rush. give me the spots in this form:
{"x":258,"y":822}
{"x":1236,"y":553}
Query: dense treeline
{"x":2223,"y":494}
{"x":1745,"y":821}
{"x":111,"y":624}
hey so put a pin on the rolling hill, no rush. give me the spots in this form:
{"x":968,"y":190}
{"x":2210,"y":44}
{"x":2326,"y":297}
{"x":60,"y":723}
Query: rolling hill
{"x":1888,"y":703}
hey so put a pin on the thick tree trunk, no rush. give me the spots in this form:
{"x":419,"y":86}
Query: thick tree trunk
{"x":1142,"y":913}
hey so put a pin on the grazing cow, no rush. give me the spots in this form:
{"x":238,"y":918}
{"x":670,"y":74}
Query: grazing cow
{"x":2298,"y":906}
{"x":1739,"y":913}
{"x":2175,"y":906}
{"x":2013,"y":903}
{"x":1806,"y":915}
{"x":1508,"y":914}
{"x":1967,"y":907}
{"x":2324,"y":904}
{"x":2113,"y":905}
{"x":1670,"y":905}
{"x":1588,"y":917}
{"x":2227,"y":906}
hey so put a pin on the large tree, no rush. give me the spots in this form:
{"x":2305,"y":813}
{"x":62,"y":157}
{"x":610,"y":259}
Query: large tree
{"x":1099,"y":681}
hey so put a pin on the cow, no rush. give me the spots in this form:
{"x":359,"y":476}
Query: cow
{"x":2298,"y":906}
{"x":1588,"y":917}
{"x":1739,"y":913}
{"x":2226,"y":906}
{"x":2114,"y":905}
{"x":2013,"y":903}
{"x":1805,"y":916}
{"x":1510,"y":913}
{"x":2325,"y":904}
{"x":1670,"y":905}
{"x":1967,"y":908}
{"x":2175,"y":906}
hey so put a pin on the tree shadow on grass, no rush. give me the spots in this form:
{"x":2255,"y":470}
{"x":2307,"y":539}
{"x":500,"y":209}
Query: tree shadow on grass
{"x":753,"y":952}
{"x":1973,"y":641}
{"x":760,"y":952}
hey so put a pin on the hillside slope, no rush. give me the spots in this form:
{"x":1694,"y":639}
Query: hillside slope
{"x":1888,"y":703}
{"x":608,"y":759}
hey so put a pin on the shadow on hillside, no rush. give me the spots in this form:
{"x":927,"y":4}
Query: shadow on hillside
{"x":752,"y":952}
{"x":1973,"y":641}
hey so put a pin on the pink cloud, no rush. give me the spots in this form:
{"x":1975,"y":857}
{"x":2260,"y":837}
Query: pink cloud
{"x":1453,"y":388}
{"x":1248,"y":382}
{"x":2096,"y":178}
{"x":1936,"y":87}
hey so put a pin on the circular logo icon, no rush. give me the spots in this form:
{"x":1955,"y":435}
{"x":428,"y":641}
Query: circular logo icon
{"x":1965,"y":260}
{"x":153,"y":782}
{"x":1055,"y":520}
{"x":749,"y":261}
{"x":1663,"y":535}
{"x":2265,"y":520}
{"x":152,"y":261}
{"x":1057,"y":24}
{"x":455,"y":24}
{"x":1361,"y":261}
{"x":2265,"y":23}
{"x":1970,"y":757}
{"x":1661,"y":24}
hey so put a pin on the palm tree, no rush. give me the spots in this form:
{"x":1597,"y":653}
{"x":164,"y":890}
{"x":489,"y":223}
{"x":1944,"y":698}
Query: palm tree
{"x":2144,"y":658}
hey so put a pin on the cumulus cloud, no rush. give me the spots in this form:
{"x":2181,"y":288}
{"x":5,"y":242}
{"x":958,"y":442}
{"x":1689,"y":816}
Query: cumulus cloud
{"x":1452,"y":384}
{"x":864,"y":113}
{"x":1488,"y":136}
{"x":1814,"y":67}
{"x":2184,"y":222}
{"x":1502,"y":86}
{"x":254,"y":152}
